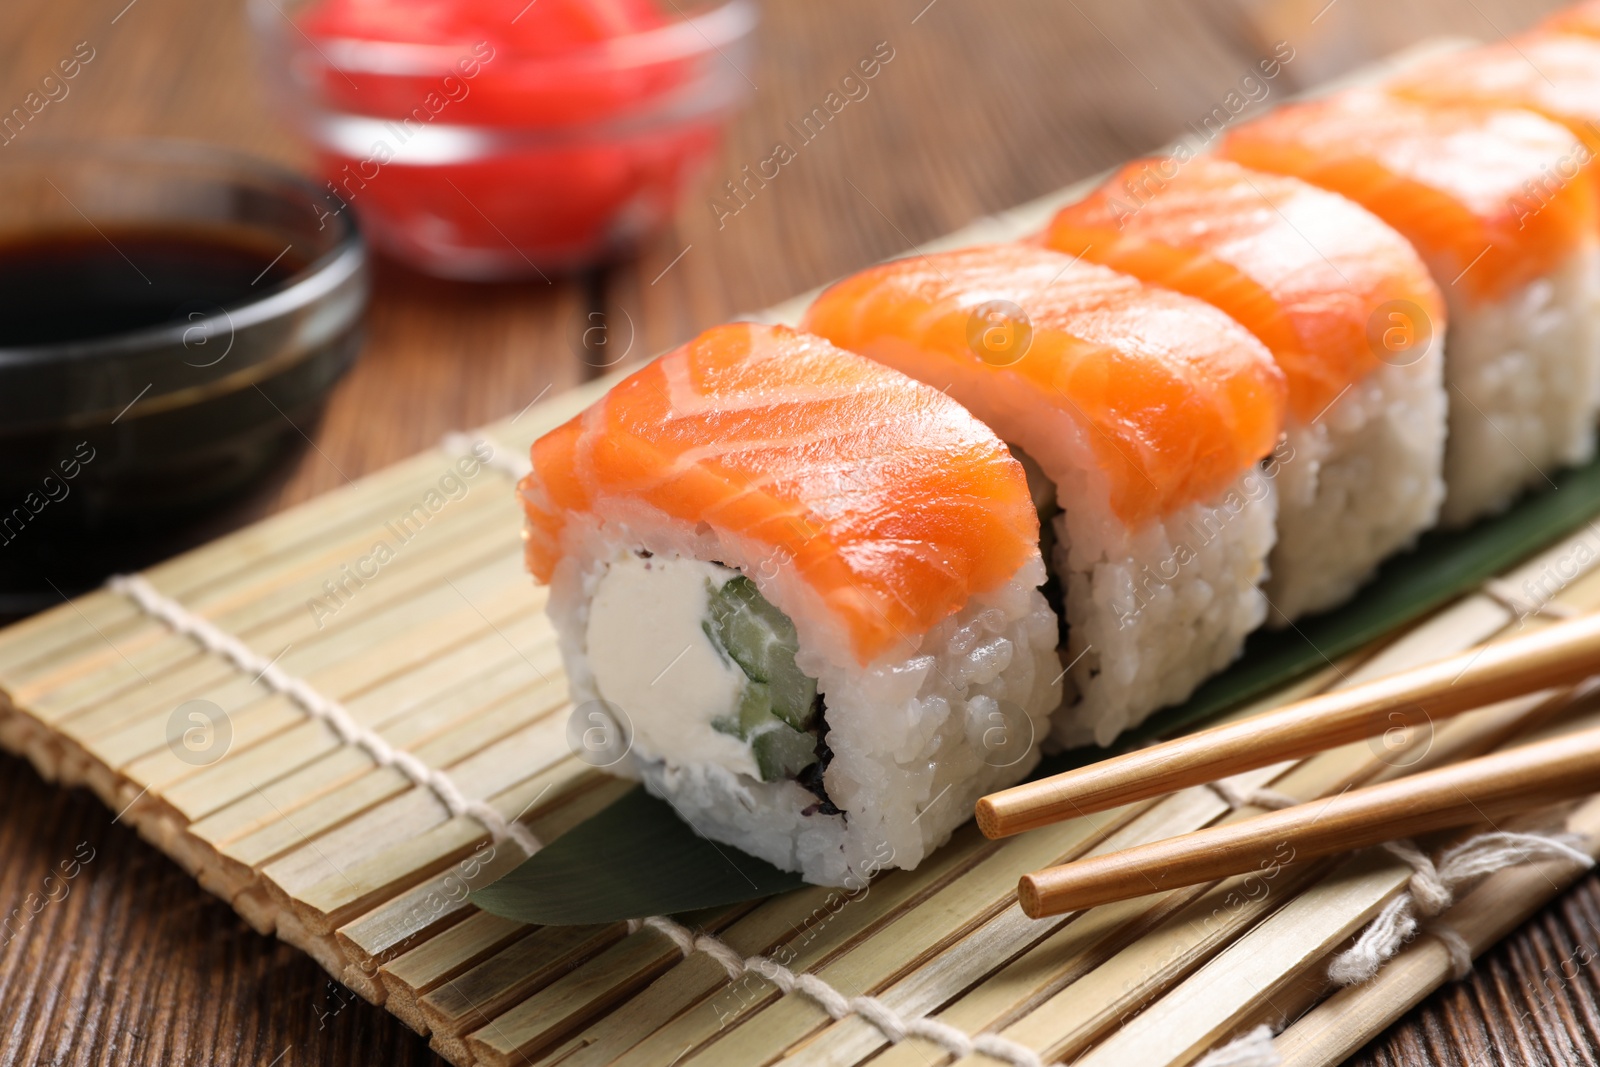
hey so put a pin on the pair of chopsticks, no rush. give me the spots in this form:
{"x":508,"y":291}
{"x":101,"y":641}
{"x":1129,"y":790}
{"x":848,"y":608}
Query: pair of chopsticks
{"x":1460,"y":794}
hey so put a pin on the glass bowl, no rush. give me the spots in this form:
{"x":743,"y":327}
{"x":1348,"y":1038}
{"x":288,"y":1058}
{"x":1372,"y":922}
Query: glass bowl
{"x":113,"y":436}
{"x":487,"y":153}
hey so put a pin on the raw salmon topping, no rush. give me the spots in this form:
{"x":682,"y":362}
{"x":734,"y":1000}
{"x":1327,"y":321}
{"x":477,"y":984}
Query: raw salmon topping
{"x":1557,"y":75}
{"x":1175,"y":399}
{"x":889,"y":499}
{"x":1459,"y":181}
{"x":1318,"y":279}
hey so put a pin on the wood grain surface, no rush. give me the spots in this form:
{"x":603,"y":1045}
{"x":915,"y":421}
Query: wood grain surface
{"x":984,"y":105}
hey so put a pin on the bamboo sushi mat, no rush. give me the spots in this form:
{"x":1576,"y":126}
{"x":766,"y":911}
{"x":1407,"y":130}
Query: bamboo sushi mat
{"x":377,"y":676}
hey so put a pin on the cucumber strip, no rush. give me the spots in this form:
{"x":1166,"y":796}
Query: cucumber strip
{"x":781,"y":753}
{"x":762,"y":641}
{"x":755,"y":709}
{"x":779,"y":704}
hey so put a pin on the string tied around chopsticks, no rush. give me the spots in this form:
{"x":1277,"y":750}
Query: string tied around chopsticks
{"x":322,"y":708}
{"x":1428,"y":891}
{"x":894,"y":1026}
{"x":1431,"y":890}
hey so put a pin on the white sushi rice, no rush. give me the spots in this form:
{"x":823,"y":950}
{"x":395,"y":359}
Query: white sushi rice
{"x":1523,"y":377}
{"x":1153,"y":612}
{"x":917,"y":736}
{"x":1356,"y":484}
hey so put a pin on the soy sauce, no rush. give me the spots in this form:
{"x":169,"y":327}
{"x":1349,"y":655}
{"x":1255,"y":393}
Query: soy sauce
{"x":77,"y":286}
{"x":127,"y":433}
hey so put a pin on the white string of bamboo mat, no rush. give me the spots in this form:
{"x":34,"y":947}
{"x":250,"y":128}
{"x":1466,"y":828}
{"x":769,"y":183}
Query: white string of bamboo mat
{"x":338,"y":718}
{"x":1431,"y":890}
{"x":894,"y":1026}
{"x":1431,"y":886}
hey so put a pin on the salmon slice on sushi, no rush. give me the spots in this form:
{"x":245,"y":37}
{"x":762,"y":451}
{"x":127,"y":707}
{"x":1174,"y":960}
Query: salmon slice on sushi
{"x":1522,"y":363}
{"x":803,"y":589}
{"x":1352,"y":317}
{"x":1143,"y":413}
{"x":1554,"y":74}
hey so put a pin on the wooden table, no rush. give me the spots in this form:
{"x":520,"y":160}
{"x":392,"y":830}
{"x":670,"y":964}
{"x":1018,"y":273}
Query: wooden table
{"x":984,"y":105}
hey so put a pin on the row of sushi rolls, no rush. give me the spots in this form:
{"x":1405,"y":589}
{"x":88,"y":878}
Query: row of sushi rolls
{"x":834,"y":584}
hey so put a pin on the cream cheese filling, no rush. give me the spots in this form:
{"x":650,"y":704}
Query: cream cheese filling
{"x":651,"y":656}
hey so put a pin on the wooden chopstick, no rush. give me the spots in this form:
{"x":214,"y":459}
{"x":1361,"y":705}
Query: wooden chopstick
{"x":1560,"y":655}
{"x":1459,"y":794}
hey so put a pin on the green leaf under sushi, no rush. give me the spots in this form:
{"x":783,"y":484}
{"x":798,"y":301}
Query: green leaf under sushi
{"x":638,"y":858}
{"x":634,"y":859}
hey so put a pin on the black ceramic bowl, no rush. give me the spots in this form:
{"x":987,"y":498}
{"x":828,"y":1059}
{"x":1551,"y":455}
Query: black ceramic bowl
{"x":148,"y":372}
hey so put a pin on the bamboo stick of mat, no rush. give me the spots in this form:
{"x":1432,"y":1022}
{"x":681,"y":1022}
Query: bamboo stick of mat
{"x":1559,"y":655}
{"x":1460,"y":794}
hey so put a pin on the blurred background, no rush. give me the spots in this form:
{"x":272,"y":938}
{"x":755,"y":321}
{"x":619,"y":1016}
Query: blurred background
{"x":978,"y":106}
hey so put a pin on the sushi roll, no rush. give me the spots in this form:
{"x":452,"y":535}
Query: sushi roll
{"x":804,"y":589}
{"x":1350,"y":314}
{"x":1142,"y":414}
{"x":1522,"y":364}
